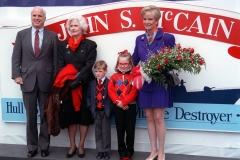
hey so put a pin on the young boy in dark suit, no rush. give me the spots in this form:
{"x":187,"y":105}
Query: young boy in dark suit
{"x":100,"y":105}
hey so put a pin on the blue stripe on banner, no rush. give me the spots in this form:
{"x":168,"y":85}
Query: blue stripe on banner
{"x":30,"y":3}
{"x":13,"y":110}
{"x":188,"y":116}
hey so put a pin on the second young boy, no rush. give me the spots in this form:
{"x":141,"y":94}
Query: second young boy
{"x":100,"y":105}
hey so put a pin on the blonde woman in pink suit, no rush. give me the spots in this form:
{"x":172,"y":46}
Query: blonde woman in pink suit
{"x":152,"y":97}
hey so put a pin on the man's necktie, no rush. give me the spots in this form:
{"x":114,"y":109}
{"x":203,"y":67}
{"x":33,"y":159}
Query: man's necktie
{"x":36,"y":44}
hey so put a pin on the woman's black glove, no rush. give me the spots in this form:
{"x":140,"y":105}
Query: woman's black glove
{"x":78,"y":76}
{"x":75,"y":84}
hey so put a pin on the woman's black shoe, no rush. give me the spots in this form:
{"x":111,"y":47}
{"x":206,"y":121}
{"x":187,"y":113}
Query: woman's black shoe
{"x":81,"y":155}
{"x":71,"y":154}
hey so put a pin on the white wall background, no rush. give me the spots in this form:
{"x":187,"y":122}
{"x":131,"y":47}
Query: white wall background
{"x":206,"y":143}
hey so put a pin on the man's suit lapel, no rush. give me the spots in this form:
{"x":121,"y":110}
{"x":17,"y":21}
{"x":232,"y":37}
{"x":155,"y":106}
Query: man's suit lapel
{"x":29,"y":39}
{"x":44,"y":41}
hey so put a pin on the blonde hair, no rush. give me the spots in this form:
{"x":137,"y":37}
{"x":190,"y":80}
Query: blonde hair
{"x":151,"y":8}
{"x":100,"y":64}
{"x":81,"y":20}
{"x":129,"y":56}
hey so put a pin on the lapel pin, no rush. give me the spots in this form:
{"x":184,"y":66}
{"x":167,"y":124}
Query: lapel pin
{"x":81,"y":51}
{"x":142,"y":38}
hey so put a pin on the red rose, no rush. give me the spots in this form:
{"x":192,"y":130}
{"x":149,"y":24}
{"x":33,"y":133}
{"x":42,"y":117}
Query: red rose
{"x":179,"y":51}
{"x":184,"y":49}
{"x":179,"y":58}
{"x":201,"y":62}
{"x":178,"y":46}
{"x":165,"y":60}
{"x":191,"y":50}
{"x":191,"y":58}
{"x":159,"y":66}
{"x":157,"y":55}
{"x":166,"y":49}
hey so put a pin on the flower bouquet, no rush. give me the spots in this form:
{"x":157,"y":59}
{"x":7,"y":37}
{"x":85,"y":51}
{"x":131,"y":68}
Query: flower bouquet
{"x":158,"y":64}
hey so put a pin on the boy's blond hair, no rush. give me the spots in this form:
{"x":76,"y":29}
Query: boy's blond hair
{"x":100,"y":64}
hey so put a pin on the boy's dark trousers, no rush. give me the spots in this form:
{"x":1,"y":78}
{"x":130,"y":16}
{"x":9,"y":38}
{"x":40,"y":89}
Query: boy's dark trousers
{"x":102,"y":131}
{"x":125,"y":122}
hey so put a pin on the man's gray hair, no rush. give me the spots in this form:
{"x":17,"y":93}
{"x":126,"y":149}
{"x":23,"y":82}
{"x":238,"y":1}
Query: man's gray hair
{"x":44,"y":12}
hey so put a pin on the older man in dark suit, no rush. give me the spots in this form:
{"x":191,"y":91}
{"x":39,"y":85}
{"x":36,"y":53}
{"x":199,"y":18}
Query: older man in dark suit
{"x":34,"y":62}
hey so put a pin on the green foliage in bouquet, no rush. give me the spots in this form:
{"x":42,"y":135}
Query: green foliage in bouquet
{"x":177,"y":58}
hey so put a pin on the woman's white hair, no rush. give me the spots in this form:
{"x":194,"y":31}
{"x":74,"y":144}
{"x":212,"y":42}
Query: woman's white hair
{"x":81,"y":20}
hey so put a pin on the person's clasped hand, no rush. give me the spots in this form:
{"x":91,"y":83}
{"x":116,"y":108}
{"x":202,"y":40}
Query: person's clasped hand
{"x":120,"y":105}
{"x":125,"y":107}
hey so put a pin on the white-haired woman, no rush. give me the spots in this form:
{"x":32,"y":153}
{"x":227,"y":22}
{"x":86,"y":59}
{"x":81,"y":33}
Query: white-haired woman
{"x":81,"y":53}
